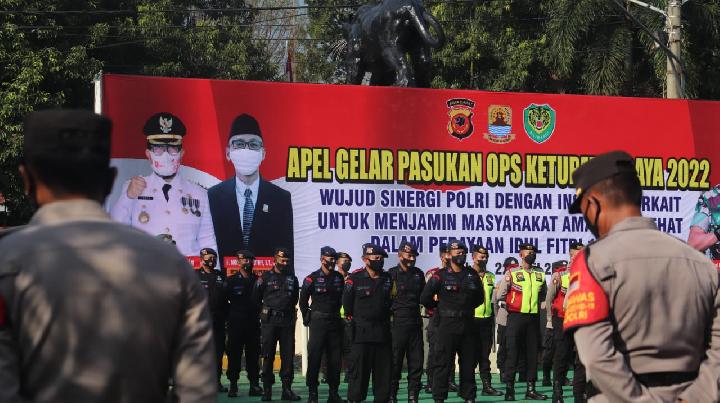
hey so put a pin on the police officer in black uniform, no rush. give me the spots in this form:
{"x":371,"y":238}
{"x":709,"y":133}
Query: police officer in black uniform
{"x":459,"y":292}
{"x":324,"y":287}
{"x":216,"y":286}
{"x":277,"y":292}
{"x":407,"y":338}
{"x":343,"y":263}
{"x":366,"y":301}
{"x":243,"y":326}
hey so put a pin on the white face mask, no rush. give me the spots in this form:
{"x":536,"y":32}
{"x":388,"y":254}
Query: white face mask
{"x":165,"y":164}
{"x":246,"y":161}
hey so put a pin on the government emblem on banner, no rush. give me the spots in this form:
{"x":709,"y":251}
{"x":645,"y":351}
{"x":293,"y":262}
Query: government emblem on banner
{"x":499,"y":124}
{"x":539,"y":122}
{"x":461,"y":112}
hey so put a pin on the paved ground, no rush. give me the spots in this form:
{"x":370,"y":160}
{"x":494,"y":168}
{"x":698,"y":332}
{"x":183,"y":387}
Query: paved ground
{"x":300,"y":388}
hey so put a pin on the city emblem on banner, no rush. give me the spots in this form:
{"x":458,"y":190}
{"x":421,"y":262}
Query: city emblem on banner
{"x":499,"y":124}
{"x":461,"y":113}
{"x":539,"y":122}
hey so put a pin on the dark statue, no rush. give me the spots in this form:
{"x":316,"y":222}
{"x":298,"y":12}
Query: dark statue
{"x":391,"y":39}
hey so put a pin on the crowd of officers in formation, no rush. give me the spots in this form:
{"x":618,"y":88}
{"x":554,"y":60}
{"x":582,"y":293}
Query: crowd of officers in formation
{"x":370,"y":321}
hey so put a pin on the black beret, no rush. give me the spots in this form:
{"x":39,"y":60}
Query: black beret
{"x":245,"y":254}
{"x":455,"y":244}
{"x":207,"y":251}
{"x":74,"y":135}
{"x":528,"y":246}
{"x":511,"y":261}
{"x":164,"y":128}
{"x":576,"y":245}
{"x":328,"y":251}
{"x":245,"y":124}
{"x":479,"y":249}
{"x":372,"y":249}
{"x":344,"y":255}
{"x":408,"y":247}
{"x":559,"y":264}
{"x":601,"y":167}
{"x":283,"y":252}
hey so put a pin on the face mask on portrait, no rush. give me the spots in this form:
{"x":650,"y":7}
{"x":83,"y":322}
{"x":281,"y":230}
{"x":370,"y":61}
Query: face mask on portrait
{"x":165,"y":164}
{"x":246,"y":161}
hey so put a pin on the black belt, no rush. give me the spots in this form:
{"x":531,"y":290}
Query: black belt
{"x":651,"y":380}
{"x":655,"y":379}
{"x":324,"y":315}
{"x":282,"y":314}
{"x":454,"y":314}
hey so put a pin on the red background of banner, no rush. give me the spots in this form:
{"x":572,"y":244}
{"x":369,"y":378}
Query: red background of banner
{"x":396,"y":118}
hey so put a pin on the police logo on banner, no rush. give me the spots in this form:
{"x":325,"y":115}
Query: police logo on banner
{"x":499,"y":124}
{"x":539,"y":122}
{"x":461,"y":112}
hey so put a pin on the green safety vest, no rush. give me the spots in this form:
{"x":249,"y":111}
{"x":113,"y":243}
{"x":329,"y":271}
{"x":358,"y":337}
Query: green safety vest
{"x":525,"y":291}
{"x":485,"y":310}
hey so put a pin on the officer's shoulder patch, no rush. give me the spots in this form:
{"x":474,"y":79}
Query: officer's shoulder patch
{"x":539,"y":276}
{"x":356,"y":271}
{"x":308,"y":280}
{"x":587,"y":302}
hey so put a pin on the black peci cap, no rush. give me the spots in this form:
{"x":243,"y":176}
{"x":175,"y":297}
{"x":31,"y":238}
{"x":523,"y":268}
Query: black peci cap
{"x":164,"y":128}
{"x":73,"y":135}
{"x":244,"y":124}
{"x":597,"y":169}
{"x":408,"y":247}
{"x":373,"y":249}
{"x":455,"y":244}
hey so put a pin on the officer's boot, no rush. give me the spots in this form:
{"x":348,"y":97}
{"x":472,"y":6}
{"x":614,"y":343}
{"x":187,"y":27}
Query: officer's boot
{"x":255,"y":389}
{"x":532,"y":394}
{"x":557,"y":392}
{"x":393,"y":394}
{"x":428,"y":387}
{"x":267,"y":392}
{"x":452,"y":386}
{"x":287,"y":393}
{"x":546,"y":379}
{"x":233,"y":389}
{"x":413,"y":396}
{"x":312,"y":394}
{"x":334,"y":396}
{"x":510,"y":391}
{"x":579,"y":398}
{"x":487,"y":389}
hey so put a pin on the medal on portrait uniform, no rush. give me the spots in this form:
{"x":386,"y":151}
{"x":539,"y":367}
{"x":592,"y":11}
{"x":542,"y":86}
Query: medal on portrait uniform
{"x":184,"y":204}
{"x":143,"y":217}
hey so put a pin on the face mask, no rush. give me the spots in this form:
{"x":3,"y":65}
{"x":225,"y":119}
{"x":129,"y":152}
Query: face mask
{"x":459,"y":259}
{"x":329,"y":265}
{"x":210,"y":262}
{"x":246,"y":161}
{"x":530,"y":259}
{"x":593,"y":227}
{"x":376,"y":265}
{"x":482,"y":264}
{"x":408,"y":263}
{"x":165,"y":164}
{"x":345,"y":266}
{"x":247,"y":266}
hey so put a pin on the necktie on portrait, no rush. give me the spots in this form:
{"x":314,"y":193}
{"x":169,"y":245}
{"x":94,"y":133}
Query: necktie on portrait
{"x":248,"y":211}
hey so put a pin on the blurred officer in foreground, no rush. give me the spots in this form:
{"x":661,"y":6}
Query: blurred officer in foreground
{"x":92,"y":310}
{"x":458,"y":292}
{"x":213,"y":281}
{"x":484,"y":321}
{"x":407,"y":339}
{"x":522,"y":289}
{"x":277,"y":291}
{"x":367,"y":300}
{"x":243,"y":326}
{"x":652,"y":331}
{"x":324,"y":287}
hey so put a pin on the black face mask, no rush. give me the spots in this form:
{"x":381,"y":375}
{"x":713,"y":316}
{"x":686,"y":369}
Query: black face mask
{"x":593,"y":227}
{"x":376,"y":265}
{"x":408,"y":263}
{"x":345,"y":266}
{"x":209,"y":262}
{"x":459,"y":259}
{"x":530,"y":259}
{"x":482,"y":264}
{"x":329,"y":265}
{"x":284,"y":268}
{"x":247,"y":266}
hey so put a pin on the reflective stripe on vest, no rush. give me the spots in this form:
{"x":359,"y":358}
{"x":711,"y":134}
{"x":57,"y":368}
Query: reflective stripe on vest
{"x":558,"y":303}
{"x":524,"y":291}
{"x":485,"y":310}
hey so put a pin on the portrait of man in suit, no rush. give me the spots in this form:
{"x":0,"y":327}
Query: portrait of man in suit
{"x":249,"y":212}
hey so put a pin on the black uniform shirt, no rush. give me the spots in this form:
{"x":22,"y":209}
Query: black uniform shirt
{"x":457,"y":292}
{"x":276,"y":291}
{"x":216,"y":286}
{"x":240,"y":294}
{"x":407,"y":287}
{"x":326,"y":292}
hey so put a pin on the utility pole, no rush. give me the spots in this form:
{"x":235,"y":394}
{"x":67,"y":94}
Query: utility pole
{"x":674,"y":70}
